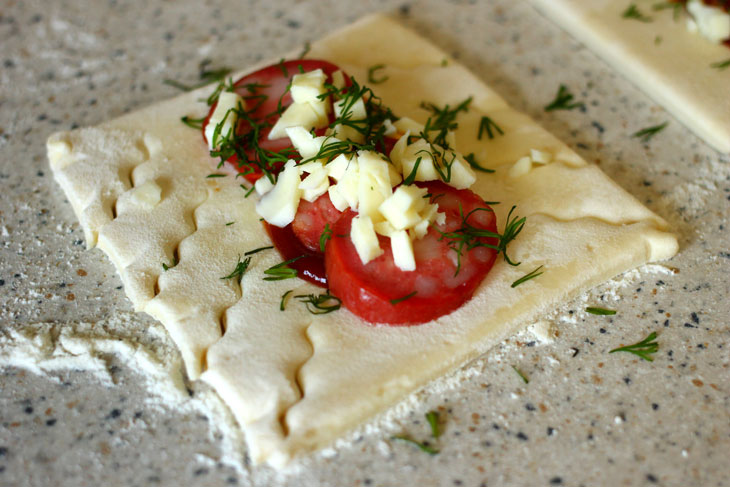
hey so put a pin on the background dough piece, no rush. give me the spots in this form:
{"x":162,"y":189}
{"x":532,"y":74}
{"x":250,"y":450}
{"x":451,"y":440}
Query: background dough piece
{"x":666,"y":60}
{"x":296,"y":382}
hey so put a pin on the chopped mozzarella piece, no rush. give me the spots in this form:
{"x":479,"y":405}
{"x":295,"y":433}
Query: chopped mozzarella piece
{"x":402,"y":247}
{"x":398,"y":150}
{"x":338,"y":166}
{"x":406,"y":124}
{"x":374,"y":184}
{"x":147,"y":195}
{"x":402,"y":207}
{"x":462,"y":175}
{"x":521,"y":167}
{"x":263,"y":185}
{"x":540,"y":157}
{"x":426,"y":171}
{"x":298,"y":115}
{"x":315,"y":184}
{"x":355,"y":110}
{"x":337,"y":199}
{"x":364,"y":239}
{"x":305,"y":143}
{"x":224,"y":116}
{"x":711,"y":21}
{"x":279,"y":206}
{"x":306,"y":87}
{"x":384,"y":228}
{"x":389,"y":128}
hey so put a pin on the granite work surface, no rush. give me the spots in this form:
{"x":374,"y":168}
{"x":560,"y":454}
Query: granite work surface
{"x":116,"y":410}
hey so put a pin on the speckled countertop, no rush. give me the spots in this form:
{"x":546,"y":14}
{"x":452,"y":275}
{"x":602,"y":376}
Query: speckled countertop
{"x":586,"y":418}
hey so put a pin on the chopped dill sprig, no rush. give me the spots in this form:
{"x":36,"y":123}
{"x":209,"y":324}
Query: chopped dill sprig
{"x":325,"y":236}
{"x":320,"y":304}
{"x":468,"y":236}
{"x":215,"y":175}
{"x":240,"y":270}
{"x":647,"y":133}
{"x":442,"y":122}
{"x":207,"y":76}
{"x":281,"y":271}
{"x":720,"y":65}
{"x":522,"y":376}
{"x":282,"y":303}
{"x":642,"y":349}
{"x":433,"y":421}
{"x":424,"y":447}
{"x":527,"y":277}
{"x":260,"y":249}
{"x":166,"y":267}
{"x":600,"y":311}
{"x":633,"y":12}
{"x":485,"y":125}
{"x":305,"y":50}
{"x":194,"y":123}
{"x":400,"y":300}
{"x":371,"y":74}
{"x":471,"y":159}
{"x":675,"y":6}
{"x":563,"y":100}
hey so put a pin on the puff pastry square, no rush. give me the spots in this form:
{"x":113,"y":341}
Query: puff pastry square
{"x":661,"y":56}
{"x":295,"y":381}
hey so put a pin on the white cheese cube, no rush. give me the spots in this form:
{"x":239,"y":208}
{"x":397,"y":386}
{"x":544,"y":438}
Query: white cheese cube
{"x":390,"y":129}
{"x":426,"y":171}
{"x":345,"y":132}
{"x":540,"y":157}
{"x":402,"y":207}
{"x":364,"y":239}
{"x":402,"y":247}
{"x":263,"y":185}
{"x":419,"y":230}
{"x":712,"y":22}
{"x":384,"y":228}
{"x":305,"y":143}
{"x":355,"y":110}
{"x":398,"y":151}
{"x":297,"y":115}
{"x":406,"y":124}
{"x":224,"y":118}
{"x":337,"y":166}
{"x":306,"y":87}
{"x":337,"y":199}
{"x":373,"y":184}
{"x":349,"y":183}
{"x":147,"y":195}
{"x":521,"y":167}
{"x":315,"y":184}
{"x":462,"y":175}
{"x":279,"y":206}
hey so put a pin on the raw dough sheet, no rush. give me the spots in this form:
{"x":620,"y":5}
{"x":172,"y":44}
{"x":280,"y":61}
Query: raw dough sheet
{"x":295,"y":381}
{"x":662,"y":57}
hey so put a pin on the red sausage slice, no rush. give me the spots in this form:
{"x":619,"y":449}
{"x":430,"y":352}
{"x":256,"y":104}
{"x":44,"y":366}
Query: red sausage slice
{"x":380,"y":292}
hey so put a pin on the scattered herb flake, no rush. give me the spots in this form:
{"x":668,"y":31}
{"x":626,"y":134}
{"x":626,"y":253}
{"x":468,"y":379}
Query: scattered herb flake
{"x":675,"y":6}
{"x":281,"y":271}
{"x":240,"y":270}
{"x":168,"y":267}
{"x":215,"y":175}
{"x":527,"y":277}
{"x":207,"y":76}
{"x":421,"y":446}
{"x":195,"y":123}
{"x":563,"y":100}
{"x":305,"y":50}
{"x":433,"y":420}
{"x":485,"y":125}
{"x":720,"y":65}
{"x":600,"y":311}
{"x":522,"y":376}
{"x":400,"y":300}
{"x":282,"y":304}
{"x":371,"y":74}
{"x":642,"y":349}
{"x":256,"y":251}
{"x":326,"y":235}
{"x":444,"y":62}
{"x":320,"y":304}
{"x":471,"y":159}
{"x":647,"y":133}
{"x":633,"y":12}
